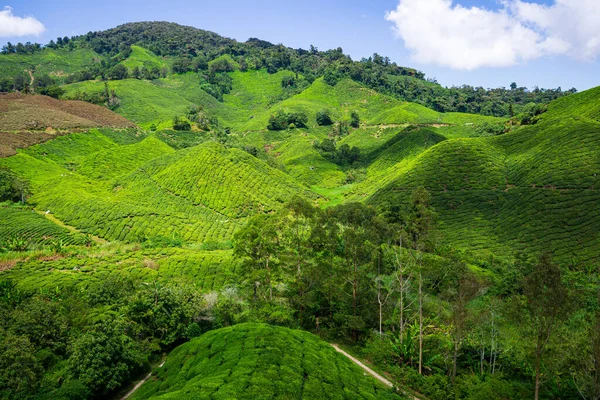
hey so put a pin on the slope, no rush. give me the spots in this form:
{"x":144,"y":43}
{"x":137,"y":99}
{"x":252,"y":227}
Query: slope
{"x":143,"y":190}
{"x":258,"y":361}
{"x":531,"y":190}
{"x":29,"y":119}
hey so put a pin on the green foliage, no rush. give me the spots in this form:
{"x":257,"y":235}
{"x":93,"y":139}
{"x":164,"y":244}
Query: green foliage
{"x":12,"y":188}
{"x":20,"y":370}
{"x":354,"y":119}
{"x":180,"y":124}
{"x":118,"y":72}
{"x":343,"y":156}
{"x":250,"y":361}
{"x":281,"y":120}
{"x":323,"y":118}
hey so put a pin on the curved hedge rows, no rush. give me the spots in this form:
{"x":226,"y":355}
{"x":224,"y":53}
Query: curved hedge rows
{"x":207,"y":270}
{"x":258,"y":361}
{"x":33,"y":227}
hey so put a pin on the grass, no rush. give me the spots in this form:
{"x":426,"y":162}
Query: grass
{"x":258,"y":361}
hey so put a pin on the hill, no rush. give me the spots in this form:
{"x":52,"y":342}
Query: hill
{"x":146,"y":189}
{"x":158,"y":46}
{"x":257,"y":361}
{"x":527,"y":190}
{"x":29,"y":119}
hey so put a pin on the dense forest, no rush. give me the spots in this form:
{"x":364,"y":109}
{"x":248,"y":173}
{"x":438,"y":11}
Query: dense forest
{"x":196,"y":50}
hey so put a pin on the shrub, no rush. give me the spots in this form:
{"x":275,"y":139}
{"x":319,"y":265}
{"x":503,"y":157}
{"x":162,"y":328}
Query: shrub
{"x":323,"y":118}
{"x":299,"y":118}
{"x":288,"y":81}
{"x":354,"y":119}
{"x":278,"y":121}
{"x":180,"y":124}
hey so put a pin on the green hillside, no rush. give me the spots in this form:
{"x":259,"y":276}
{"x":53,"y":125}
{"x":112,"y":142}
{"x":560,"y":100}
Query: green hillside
{"x":25,"y":224}
{"x":257,"y":361}
{"x":143,"y":58}
{"x":57,"y":63}
{"x":174,"y":191}
{"x":146,"y":189}
{"x":528,"y":190}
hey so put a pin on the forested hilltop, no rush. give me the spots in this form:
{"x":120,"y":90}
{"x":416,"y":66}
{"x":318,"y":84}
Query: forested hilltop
{"x":191,"y":49}
{"x":217,"y":213}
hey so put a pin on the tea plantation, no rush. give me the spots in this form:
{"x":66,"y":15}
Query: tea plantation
{"x":218,"y":196}
{"x":257,"y":361}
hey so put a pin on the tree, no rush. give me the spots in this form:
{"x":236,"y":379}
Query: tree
{"x":278,"y":121}
{"x":136,"y":73}
{"x":12,"y":187}
{"x":105,"y":358}
{"x":118,"y":72}
{"x":354,"y":119}
{"x":298,"y":118}
{"x":21,"y":82}
{"x":288,"y":81}
{"x":20,"y":371}
{"x":180,"y":124}
{"x":546,"y":304}
{"x":419,"y":226}
{"x":465,"y":290}
{"x":324,"y":118}
{"x":258,"y":245}
{"x":359,"y":236}
{"x":331,"y":77}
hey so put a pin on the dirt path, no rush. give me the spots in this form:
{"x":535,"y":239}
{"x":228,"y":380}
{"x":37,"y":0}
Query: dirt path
{"x":139,"y":384}
{"x":32,"y":81}
{"x":72,"y":229}
{"x":371,"y":372}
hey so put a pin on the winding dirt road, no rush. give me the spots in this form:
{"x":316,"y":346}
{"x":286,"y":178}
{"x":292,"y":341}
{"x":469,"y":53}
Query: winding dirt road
{"x":371,"y":372}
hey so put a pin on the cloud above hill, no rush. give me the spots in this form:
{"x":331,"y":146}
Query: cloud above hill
{"x":13,"y":25}
{"x":445,"y":33}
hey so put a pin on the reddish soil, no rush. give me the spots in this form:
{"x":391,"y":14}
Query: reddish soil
{"x":26,"y":120}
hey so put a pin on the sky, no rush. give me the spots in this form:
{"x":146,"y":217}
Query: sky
{"x":489,"y":43}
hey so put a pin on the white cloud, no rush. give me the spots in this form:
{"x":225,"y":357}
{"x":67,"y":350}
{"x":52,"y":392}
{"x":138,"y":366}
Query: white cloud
{"x":12,"y":25}
{"x":444,"y":33}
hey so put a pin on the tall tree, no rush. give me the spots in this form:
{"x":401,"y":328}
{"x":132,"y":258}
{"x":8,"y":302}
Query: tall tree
{"x":547,"y":304}
{"x":258,"y":244}
{"x":420,"y":222}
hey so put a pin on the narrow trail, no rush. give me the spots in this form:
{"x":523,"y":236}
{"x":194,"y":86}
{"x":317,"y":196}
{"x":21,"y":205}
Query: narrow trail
{"x":71,"y":229}
{"x":371,"y":372}
{"x":32,"y":81}
{"x":139,"y":384}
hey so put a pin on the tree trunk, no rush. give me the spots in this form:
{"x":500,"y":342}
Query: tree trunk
{"x":420,"y":322}
{"x":537,"y":377}
{"x":380,"y":318}
{"x":454,"y":361}
{"x":270,"y":283}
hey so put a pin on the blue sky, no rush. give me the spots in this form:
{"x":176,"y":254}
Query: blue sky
{"x":550,"y":59}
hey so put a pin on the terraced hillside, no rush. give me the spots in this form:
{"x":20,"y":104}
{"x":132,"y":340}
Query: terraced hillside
{"x":255,"y":96}
{"x":208,"y":270}
{"x":26,"y":224}
{"x":146,"y":189}
{"x":477,"y":179}
{"x":529,"y":190}
{"x":257,"y":361}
